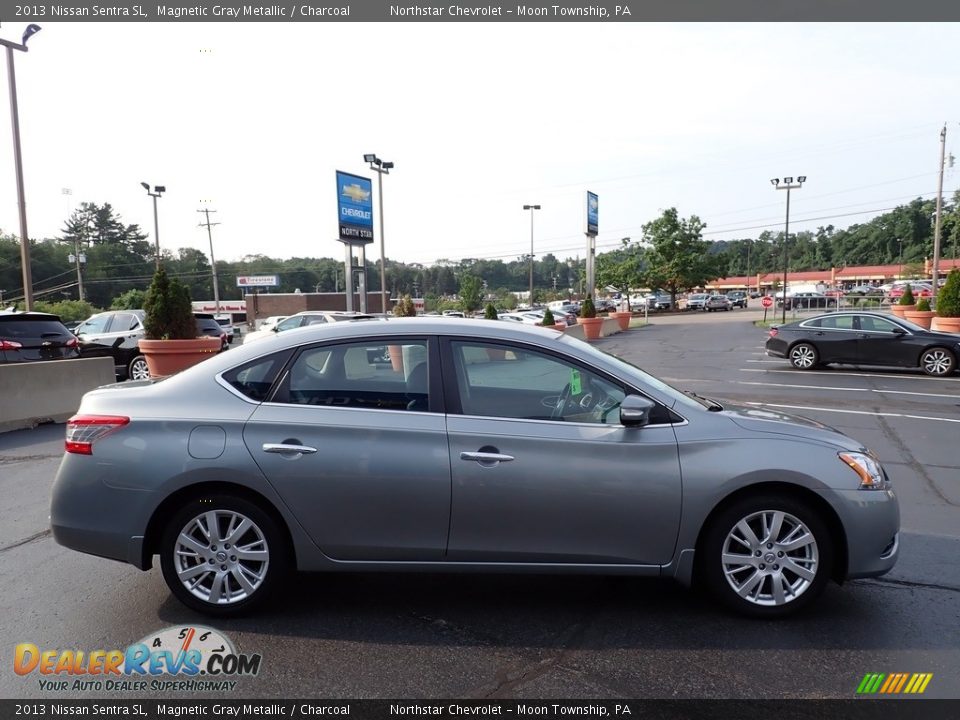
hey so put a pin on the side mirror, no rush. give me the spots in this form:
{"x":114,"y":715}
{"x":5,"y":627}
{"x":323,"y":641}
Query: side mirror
{"x":635,"y":411}
{"x":899,"y":331}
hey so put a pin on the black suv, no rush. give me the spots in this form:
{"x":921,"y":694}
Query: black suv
{"x":32,"y":336}
{"x":737,"y":298}
{"x":117,"y":333}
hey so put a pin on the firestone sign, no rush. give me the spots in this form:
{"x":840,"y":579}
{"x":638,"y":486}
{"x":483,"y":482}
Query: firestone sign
{"x":258,"y":280}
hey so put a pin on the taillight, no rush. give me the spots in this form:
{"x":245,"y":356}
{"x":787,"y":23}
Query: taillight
{"x":72,"y":342}
{"x":9,"y":345}
{"x":84,"y":430}
{"x":773,"y":332}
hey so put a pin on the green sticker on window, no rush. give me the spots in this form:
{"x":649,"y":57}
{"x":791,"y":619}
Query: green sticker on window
{"x":575,"y":387}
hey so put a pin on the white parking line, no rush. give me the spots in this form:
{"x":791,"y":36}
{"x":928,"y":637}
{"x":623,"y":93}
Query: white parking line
{"x":847,"y":389}
{"x":854,"y":412}
{"x":765,"y":361}
{"x":851,"y":374}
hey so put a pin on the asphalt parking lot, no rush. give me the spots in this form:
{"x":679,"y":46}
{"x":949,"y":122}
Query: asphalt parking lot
{"x":410,"y":636}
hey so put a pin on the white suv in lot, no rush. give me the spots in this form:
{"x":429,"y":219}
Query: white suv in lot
{"x":302,"y":319}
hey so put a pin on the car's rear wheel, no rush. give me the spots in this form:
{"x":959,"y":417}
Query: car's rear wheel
{"x":766,"y":556}
{"x":137,"y":369}
{"x":938,"y":362}
{"x":804,"y":356}
{"x":222,"y":554}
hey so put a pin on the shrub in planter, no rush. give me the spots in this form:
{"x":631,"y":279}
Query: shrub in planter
{"x":548,"y":320}
{"x":921,"y":314}
{"x":170,"y":343}
{"x":405,"y":308}
{"x":923,"y":305}
{"x":169,"y":314}
{"x":948,"y":303}
{"x":587,"y":308}
{"x":907,"y":297}
{"x":948,"y":299}
{"x":490,"y":312}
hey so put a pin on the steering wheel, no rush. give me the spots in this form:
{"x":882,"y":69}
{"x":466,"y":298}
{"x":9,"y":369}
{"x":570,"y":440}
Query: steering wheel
{"x":568,"y":403}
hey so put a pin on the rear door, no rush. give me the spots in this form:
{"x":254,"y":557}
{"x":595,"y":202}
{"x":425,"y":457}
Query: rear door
{"x":357,"y":447}
{"x":835,"y":338}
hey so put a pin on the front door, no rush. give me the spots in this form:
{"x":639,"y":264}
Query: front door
{"x":542,"y":470}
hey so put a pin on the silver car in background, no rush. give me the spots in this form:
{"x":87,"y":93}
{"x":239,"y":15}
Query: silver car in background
{"x":444,"y":444}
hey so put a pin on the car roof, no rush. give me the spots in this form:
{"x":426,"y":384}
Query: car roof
{"x":24,"y":316}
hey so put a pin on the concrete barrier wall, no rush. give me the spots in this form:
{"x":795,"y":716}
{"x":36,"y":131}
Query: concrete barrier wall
{"x":36,"y":392}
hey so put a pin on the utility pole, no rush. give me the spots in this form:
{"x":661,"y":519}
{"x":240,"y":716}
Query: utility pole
{"x":213,"y":262}
{"x":936,"y":222}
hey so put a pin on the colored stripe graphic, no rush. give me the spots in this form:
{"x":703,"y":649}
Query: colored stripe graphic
{"x":894,"y":683}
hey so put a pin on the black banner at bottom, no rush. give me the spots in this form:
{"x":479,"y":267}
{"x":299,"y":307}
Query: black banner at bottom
{"x":861,"y":709}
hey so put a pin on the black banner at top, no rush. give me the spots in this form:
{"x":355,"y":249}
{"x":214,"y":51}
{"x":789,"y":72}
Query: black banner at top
{"x":559,"y":11}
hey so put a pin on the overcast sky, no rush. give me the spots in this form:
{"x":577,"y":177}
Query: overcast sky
{"x":480,"y":119}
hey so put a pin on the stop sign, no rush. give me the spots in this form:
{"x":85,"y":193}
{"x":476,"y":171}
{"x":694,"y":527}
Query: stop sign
{"x":766,"y":301}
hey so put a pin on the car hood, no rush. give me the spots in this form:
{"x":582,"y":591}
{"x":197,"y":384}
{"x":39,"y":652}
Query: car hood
{"x":763,"y":420}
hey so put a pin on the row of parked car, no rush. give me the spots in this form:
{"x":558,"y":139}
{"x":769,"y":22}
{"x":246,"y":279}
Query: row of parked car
{"x":32,"y":336}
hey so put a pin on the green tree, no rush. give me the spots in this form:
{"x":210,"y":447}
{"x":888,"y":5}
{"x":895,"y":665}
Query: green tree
{"x":471,"y":293}
{"x":130,"y":300}
{"x":169,"y":315}
{"x":678,"y":258}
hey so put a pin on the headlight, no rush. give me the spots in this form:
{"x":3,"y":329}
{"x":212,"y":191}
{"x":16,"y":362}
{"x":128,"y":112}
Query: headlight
{"x":867,"y":467}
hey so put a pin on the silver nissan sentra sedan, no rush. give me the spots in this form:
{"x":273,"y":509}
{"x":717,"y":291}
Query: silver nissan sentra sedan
{"x":443,"y":444}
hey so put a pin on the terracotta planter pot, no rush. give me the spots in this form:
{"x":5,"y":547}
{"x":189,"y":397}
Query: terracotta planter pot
{"x":899,"y":310}
{"x":591,"y":327}
{"x":623,"y":318}
{"x":561,"y":326}
{"x":922,"y":318}
{"x":396,"y":357}
{"x":166,"y":357}
{"x":946,"y":324}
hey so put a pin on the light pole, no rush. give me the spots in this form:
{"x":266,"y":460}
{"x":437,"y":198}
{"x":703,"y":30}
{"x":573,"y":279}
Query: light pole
{"x":158,"y":190}
{"x":787,"y":185}
{"x":382,"y":168}
{"x":900,"y":249}
{"x":18,"y":161}
{"x":531,"y":208}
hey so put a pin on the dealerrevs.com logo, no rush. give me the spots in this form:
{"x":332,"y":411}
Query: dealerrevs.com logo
{"x":193,"y":658}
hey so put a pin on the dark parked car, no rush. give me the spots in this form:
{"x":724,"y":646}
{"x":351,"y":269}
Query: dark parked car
{"x":737,"y":298}
{"x":482,"y":445}
{"x":32,"y":336}
{"x":862,"y":338}
{"x":208,"y":325}
{"x":806,"y":300}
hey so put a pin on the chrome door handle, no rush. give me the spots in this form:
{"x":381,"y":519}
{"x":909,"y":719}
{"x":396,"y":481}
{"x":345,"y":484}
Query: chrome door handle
{"x":485,"y":457}
{"x":282,"y":448}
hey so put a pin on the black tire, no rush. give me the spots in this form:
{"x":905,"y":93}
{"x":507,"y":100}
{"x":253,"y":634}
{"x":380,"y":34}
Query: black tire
{"x":137,"y":369}
{"x":804,"y":356}
{"x":801,"y":573}
{"x":262,"y":537}
{"x":938,"y":362}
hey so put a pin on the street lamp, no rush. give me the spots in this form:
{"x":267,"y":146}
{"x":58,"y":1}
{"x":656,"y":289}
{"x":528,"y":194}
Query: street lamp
{"x":788,"y":185}
{"x":18,"y":161}
{"x":158,"y":190}
{"x":382,"y":168}
{"x":531,"y":208}
{"x":900,"y":246}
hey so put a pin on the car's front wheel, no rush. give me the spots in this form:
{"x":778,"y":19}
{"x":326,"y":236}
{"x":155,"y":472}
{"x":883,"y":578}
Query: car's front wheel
{"x":222,"y":554}
{"x":137,"y":369}
{"x":804,"y":356}
{"x":766,"y":556}
{"x":938,"y":362}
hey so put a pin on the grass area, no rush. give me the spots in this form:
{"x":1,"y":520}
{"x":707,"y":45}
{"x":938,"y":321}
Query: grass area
{"x":637,"y":322}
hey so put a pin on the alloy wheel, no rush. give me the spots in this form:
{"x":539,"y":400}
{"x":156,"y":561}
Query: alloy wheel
{"x":221,"y":557}
{"x":803,"y":357}
{"x":770,"y":558}
{"x":937,"y":362}
{"x":139,"y":370}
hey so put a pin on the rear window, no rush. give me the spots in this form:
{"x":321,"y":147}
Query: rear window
{"x":13,"y":327}
{"x":210,"y":324}
{"x":254,"y":379}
